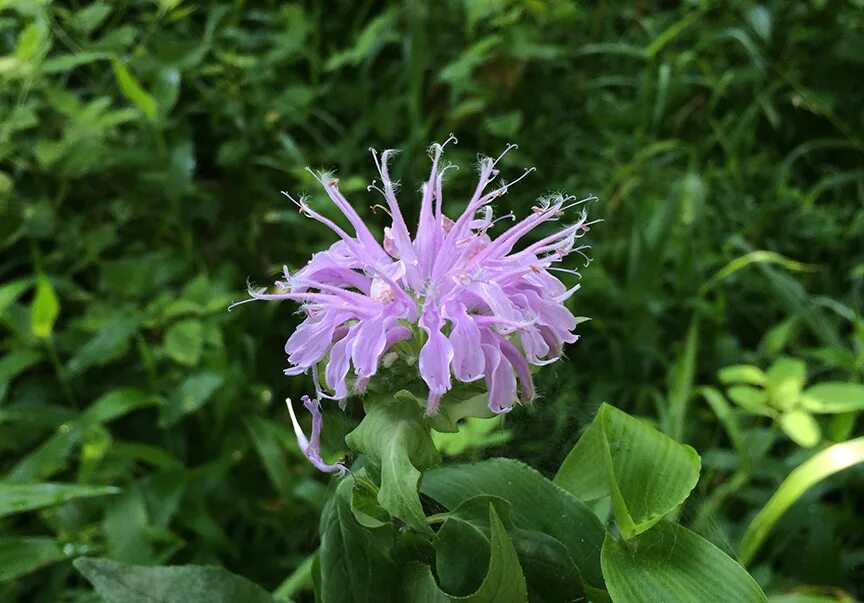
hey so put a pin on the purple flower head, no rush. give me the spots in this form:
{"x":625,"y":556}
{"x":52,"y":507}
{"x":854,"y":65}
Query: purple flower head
{"x":478,"y":306}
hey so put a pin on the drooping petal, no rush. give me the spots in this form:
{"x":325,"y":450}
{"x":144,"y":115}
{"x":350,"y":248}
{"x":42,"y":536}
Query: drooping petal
{"x":369,"y":344}
{"x":435,"y":356}
{"x":468,"y":365}
{"x":338,"y":365}
{"x":500,"y":380}
{"x":517,"y":361}
{"x":311,"y":447}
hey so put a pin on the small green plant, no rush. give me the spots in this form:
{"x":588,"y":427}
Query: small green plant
{"x":780,"y":394}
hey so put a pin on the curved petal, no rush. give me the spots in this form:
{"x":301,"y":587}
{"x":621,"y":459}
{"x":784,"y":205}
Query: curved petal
{"x":435,"y":356}
{"x":468,"y":365}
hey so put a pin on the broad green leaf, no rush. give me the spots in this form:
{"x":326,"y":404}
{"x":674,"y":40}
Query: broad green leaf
{"x":122,"y":583}
{"x":831,"y":397}
{"x":21,"y":555}
{"x":17,"y":498}
{"x":749,"y":398}
{"x":801,"y":427}
{"x":133,"y":91}
{"x":354,"y":561}
{"x":743,"y":373}
{"x":395,"y":436}
{"x":670,"y":563}
{"x":821,"y":465}
{"x":191,"y":395}
{"x":45,"y":308}
{"x":537,"y":503}
{"x":184,"y":341}
{"x":646,"y":473}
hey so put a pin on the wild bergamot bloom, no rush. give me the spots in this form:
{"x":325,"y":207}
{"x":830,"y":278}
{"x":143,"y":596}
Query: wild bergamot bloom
{"x":477,"y":306}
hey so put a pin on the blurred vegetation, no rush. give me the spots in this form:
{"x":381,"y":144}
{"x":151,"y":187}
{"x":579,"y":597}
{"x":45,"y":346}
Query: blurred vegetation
{"x":143,"y":145}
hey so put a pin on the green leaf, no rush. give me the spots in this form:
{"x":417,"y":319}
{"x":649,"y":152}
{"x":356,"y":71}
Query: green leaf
{"x":264,"y":436}
{"x":670,"y":563}
{"x":820,"y":466}
{"x":21,"y":555}
{"x":133,"y":91}
{"x":45,"y":309}
{"x":647,"y":473}
{"x":18,"y":498}
{"x":749,"y":398}
{"x":463,"y":544}
{"x":801,"y":427}
{"x":10,"y":292}
{"x":68,"y":62}
{"x":191,"y":395}
{"x":419,"y":585}
{"x":537,"y":504}
{"x":743,"y":373}
{"x":504,"y":582}
{"x":54,"y":453}
{"x":377,"y":33}
{"x":123,"y":583}
{"x":184,"y":341}
{"x":786,"y":377}
{"x":395,"y":436}
{"x":832,"y":397}
{"x":127,"y":528}
{"x":107,"y":344}
{"x":15,"y":363}
{"x":355,"y":565}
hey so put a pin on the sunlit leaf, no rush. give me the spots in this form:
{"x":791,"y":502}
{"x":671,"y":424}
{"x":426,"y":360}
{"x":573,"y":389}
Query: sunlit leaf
{"x":742,"y":373}
{"x":133,"y":91}
{"x":832,"y":397}
{"x":45,"y":308}
{"x":646,"y":473}
{"x":801,"y":427}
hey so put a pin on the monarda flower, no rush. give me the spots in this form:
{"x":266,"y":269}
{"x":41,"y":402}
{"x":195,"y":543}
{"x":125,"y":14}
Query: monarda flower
{"x":476,"y":305}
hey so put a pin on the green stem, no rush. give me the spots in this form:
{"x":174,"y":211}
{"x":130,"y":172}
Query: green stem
{"x":299,"y":580}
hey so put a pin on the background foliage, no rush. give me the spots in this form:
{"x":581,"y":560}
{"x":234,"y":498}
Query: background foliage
{"x":143,"y":146}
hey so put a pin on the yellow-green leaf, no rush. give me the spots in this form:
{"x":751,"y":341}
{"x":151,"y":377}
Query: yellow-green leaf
{"x":45,"y":308}
{"x":133,"y":91}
